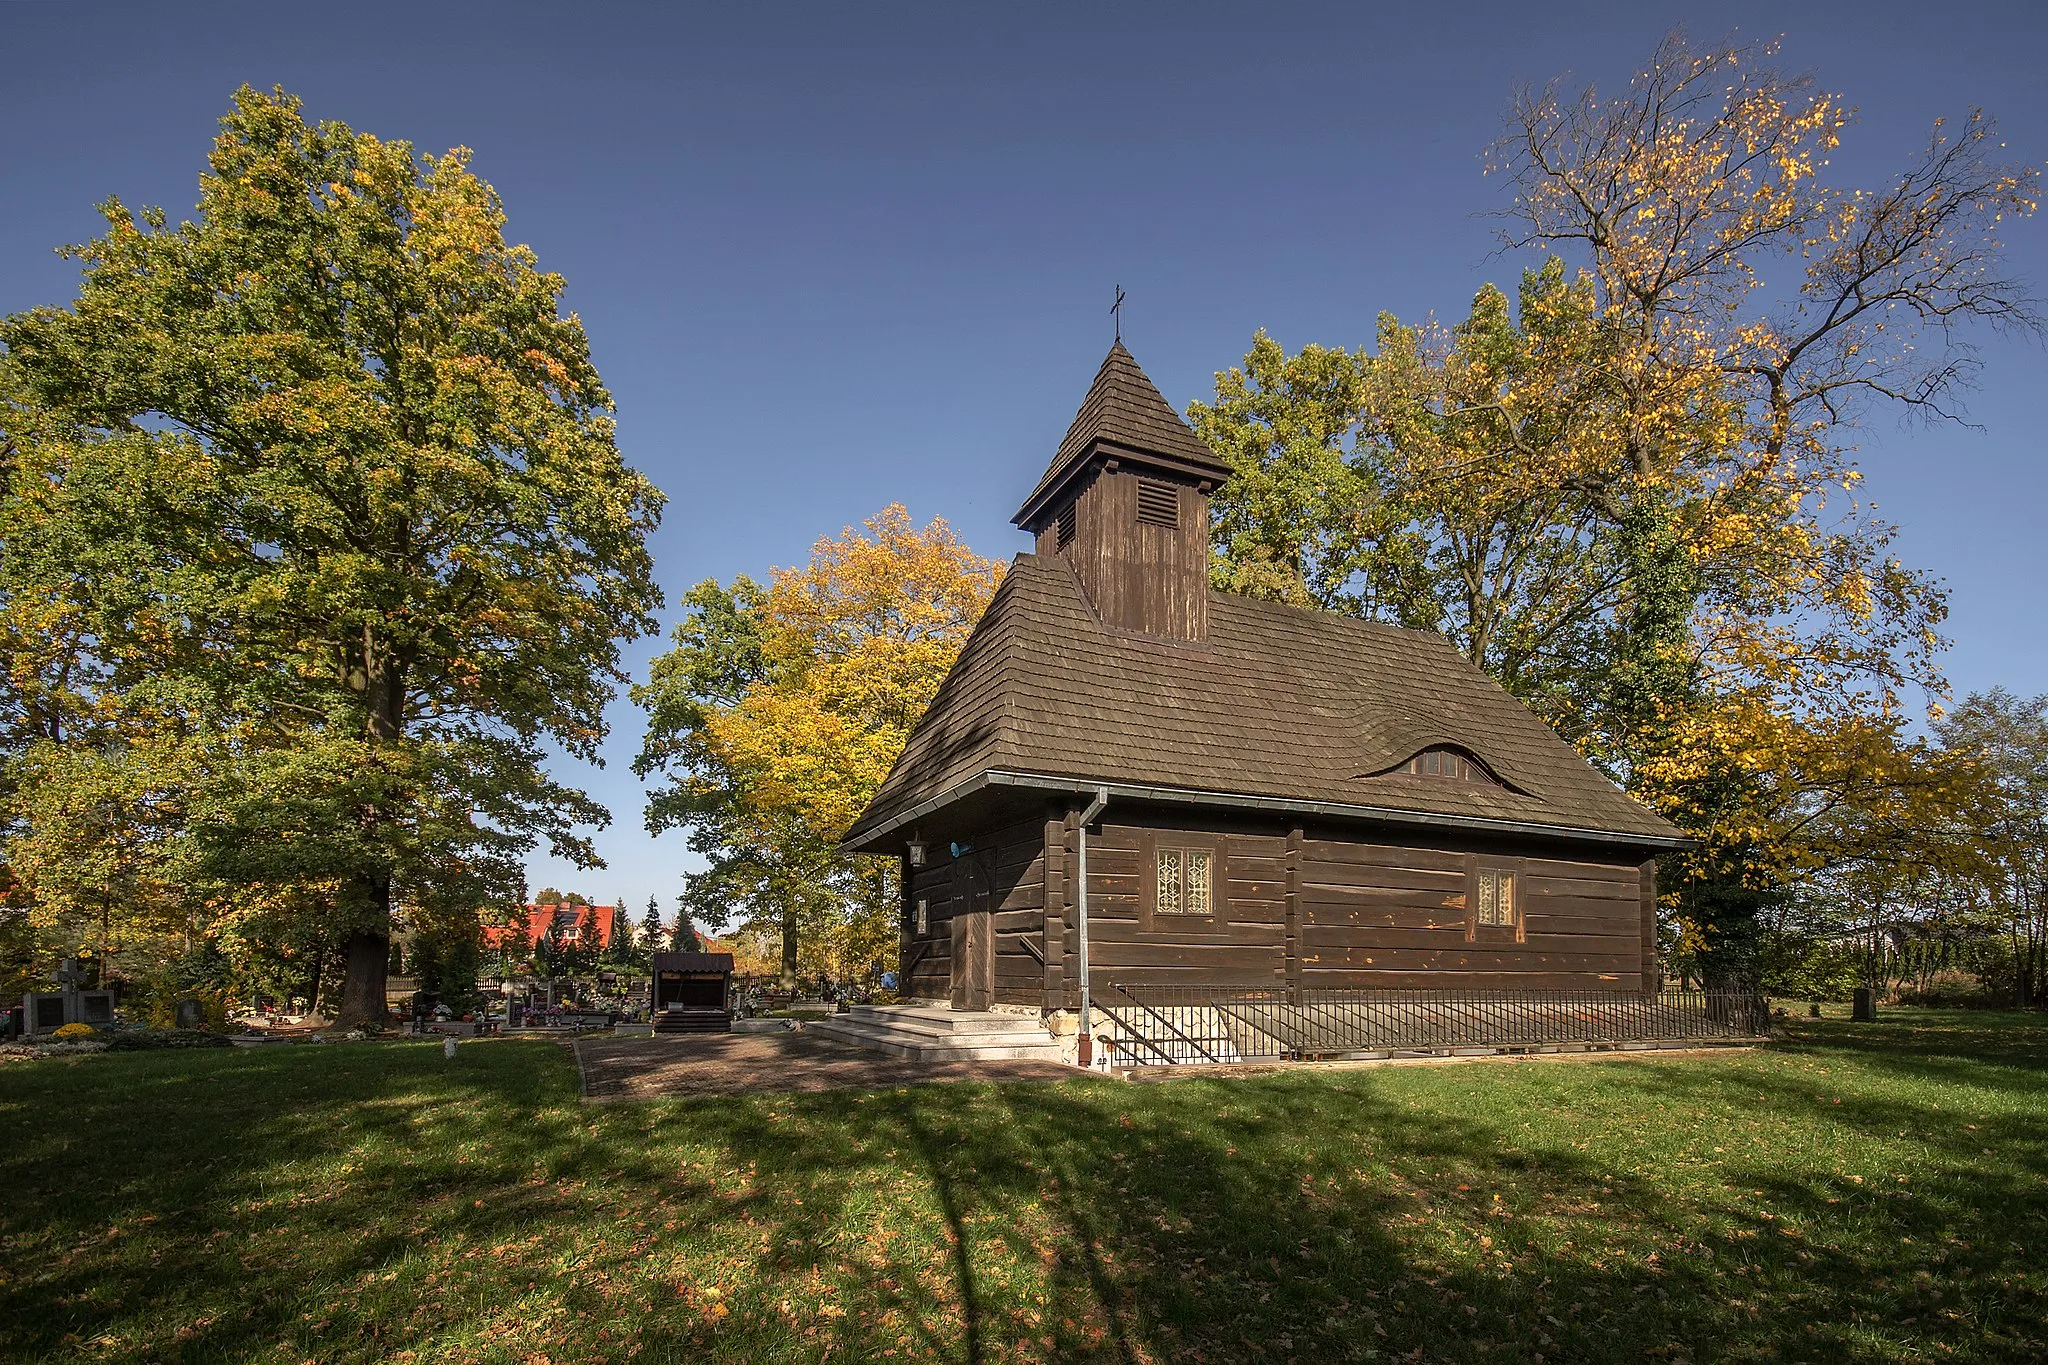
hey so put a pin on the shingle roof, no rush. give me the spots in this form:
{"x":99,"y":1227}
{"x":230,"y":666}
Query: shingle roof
{"x":1278,"y":703}
{"x":1124,"y":409}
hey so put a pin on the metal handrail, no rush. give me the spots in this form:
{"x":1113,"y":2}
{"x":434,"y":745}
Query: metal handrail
{"x":1164,"y":1023}
{"x":1214,"y":1023}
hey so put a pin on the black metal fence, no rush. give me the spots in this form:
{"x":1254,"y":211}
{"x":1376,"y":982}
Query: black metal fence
{"x":1147,"y":1025}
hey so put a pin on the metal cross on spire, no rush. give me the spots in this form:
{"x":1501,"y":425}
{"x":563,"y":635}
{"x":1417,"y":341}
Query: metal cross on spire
{"x":1116,"y":310}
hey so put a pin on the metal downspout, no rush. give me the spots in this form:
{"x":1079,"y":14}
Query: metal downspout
{"x":1085,"y":1043}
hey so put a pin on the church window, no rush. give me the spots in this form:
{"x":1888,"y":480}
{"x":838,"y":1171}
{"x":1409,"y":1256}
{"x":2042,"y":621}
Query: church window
{"x":1158,"y":503}
{"x":1064,"y":526}
{"x":1186,"y":881}
{"x":1493,"y":899}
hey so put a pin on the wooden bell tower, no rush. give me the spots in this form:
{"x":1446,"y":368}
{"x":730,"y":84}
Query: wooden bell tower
{"x":1126,"y":503}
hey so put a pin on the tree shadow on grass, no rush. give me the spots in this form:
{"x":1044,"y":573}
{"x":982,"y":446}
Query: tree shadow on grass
{"x":366,"y":1202}
{"x":1221,"y":1224}
{"x":2007,"y":1049}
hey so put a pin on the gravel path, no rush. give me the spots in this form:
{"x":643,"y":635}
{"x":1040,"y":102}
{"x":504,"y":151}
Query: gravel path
{"x":682,"y":1065}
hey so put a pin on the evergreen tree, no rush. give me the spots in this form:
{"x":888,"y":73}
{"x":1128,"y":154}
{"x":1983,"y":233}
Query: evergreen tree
{"x":688,"y":940}
{"x":652,"y":928}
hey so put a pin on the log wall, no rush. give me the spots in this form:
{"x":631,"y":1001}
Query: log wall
{"x":1385,"y":915}
{"x":1307,"y":908}
{"x":1016,"y":904}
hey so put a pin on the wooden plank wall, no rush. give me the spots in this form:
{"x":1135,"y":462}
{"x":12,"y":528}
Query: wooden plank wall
{"x":1016,"y":905}
{"x":1139,"y":576}
{"x":1311,"y":909}
{"x":1390,"y":915}
{"x":1348,"y":911}
{"x":1246,"y":941}
{"x":1057,"y":935}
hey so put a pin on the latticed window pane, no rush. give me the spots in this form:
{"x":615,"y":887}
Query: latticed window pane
{"x":1495,"y":894}
{"x":1198,"y":881}
{"x":1169,"y":881}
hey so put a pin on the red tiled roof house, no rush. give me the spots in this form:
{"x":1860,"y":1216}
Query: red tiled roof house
{"x":570,"y":923}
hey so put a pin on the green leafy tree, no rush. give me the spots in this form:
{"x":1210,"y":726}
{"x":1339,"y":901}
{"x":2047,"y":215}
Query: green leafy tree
{"x":1632,"y":497}
{"x":777,"y":713}
{"x":446,"y":947}
{"x":370,"y":482}
{"x":2008,"y":888}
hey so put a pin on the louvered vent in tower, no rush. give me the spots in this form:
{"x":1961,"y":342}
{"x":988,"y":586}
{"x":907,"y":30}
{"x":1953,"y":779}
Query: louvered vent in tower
{"x":1158,"y":504}
{"x":1065,"y":526}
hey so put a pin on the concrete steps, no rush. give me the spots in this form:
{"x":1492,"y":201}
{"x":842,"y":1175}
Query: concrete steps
{"x":692,"y":1021}
{"x":928,"y":1034}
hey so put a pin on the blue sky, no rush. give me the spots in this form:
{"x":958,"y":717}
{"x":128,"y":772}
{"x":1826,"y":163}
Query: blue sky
{"x":834,"y":257}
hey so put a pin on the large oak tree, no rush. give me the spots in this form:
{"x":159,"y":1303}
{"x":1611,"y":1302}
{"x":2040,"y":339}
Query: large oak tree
{"x":352,"y":464}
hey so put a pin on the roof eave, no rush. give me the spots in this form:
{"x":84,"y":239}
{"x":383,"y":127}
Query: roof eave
{"x":1135,"y":791}
{"x":1104,"y":447}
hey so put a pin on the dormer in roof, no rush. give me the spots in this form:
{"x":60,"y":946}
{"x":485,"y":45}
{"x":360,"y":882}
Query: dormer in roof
{"x":1126,"y":503}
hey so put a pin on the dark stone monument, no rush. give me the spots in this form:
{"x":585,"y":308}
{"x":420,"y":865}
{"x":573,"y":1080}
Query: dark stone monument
{"x":47,"y":1013}
{"x":191,"y":1014}
{"x":70,"y":1003}
{"x":1864,"y":1011}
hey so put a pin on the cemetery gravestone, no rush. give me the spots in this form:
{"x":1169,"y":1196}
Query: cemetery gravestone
{"x":45,"y":1011}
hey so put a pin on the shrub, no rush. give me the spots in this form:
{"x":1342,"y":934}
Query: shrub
{"x":215,"y":1003}
{"x":1998,"y":971}
{"x":1958,"y":991}
{"x":152,"y":1039}
{"x":74,"y":1032}
{"x":1800,"y":968}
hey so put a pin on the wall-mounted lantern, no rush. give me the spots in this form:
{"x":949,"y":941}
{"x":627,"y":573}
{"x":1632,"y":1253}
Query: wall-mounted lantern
{"x":914,"y":850}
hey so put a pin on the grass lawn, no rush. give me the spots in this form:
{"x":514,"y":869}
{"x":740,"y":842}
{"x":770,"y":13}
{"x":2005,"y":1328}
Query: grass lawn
{"x":1852,"y":1194}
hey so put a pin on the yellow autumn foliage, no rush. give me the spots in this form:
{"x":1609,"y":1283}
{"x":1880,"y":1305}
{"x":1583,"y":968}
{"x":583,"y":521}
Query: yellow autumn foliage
{"x":780,"y":712}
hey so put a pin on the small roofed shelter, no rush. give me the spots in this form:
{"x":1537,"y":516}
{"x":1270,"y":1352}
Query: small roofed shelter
{"x":1185,"y":786}
{"x":692,"y":992}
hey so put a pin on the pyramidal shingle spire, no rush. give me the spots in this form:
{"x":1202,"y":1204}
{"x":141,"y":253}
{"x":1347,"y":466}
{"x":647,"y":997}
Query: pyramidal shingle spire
{"x":1126,"y":417}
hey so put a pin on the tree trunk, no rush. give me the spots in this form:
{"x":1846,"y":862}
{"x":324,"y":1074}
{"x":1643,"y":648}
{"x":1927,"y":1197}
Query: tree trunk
{"x":789,"y":949}
{"x":366,"y":953}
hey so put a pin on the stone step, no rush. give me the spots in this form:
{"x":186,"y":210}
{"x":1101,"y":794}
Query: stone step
{"x":911,"y":1036}
{"x":922,"y":1038}
{"x":937,"y":1045}
{"x":933,"y":1018}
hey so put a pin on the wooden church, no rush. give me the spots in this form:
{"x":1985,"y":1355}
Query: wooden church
{"x":1186,"y":786}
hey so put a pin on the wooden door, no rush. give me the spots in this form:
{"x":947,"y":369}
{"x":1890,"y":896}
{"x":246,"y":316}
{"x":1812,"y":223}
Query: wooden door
{"x":974,"y":939}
